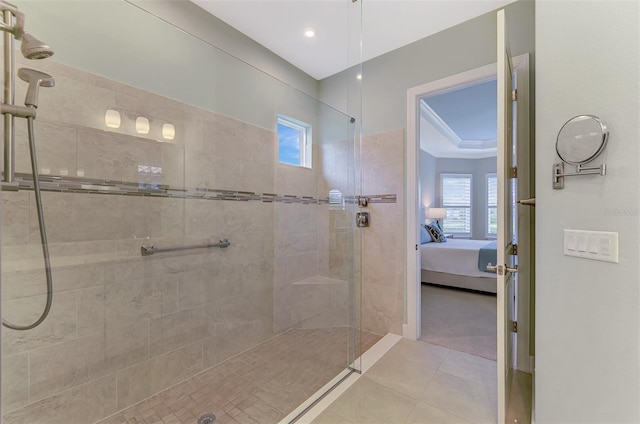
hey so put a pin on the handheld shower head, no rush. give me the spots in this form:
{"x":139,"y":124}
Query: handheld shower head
{"x":35,"y":80}
{"x":32,"y":48}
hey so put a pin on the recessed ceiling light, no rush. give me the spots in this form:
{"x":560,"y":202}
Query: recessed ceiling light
{"x":309,"y":32}
{"x":359,"y":76}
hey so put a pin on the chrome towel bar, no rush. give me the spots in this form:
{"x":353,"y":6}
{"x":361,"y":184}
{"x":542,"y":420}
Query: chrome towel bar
{"x":150,"y":250}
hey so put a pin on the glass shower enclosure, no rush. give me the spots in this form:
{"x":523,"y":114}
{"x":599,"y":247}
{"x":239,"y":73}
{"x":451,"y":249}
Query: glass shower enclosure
{"x":193,"y":273}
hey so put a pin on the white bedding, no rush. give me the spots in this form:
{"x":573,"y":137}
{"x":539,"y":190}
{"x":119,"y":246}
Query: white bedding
{"x":455,"y":256}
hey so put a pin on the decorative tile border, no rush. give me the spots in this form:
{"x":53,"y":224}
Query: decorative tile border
{"x":123,"y":188}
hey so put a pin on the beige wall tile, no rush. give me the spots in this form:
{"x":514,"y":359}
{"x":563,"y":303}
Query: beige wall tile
{"x":55,"y":148}
{"x":244,"y":217}
{"x":15,"y":382}
{"x":72,"y":102}
{"x":131,"y":301}
{"x":15,"y":218}
{"x":83,"y":265}
{"x":207,"y":284}
{"x":105,"y":155}
{"x":128,"y":345}
{"x":59,"y":326}
{"x":130,"y":264}
{"x":171,"y":332}
{"x":72,"y":217}
{"x":382,"y":261}
{"x":295,"y":218}
{"x":172,"y":162}
{"x":382,"y":312}
{"x":91,"y":305}
{"x":294,"y":180}
{"x":147,"y":378}
{"x":204,"y":218}
{"x":172,"y":215}
{"x":21,"y":258}
{"x":86,"y":403}
{"x":66,"y":365}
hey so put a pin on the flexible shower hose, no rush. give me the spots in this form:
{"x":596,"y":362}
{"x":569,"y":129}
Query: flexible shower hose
{"x":43,"y":235}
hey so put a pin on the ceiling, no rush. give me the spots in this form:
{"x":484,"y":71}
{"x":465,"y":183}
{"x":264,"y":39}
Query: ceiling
{"x":387,"y":25}
{"x":460,"y":123}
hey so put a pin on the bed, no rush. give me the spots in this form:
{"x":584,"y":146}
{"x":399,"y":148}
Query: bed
{"x":457,"y":263}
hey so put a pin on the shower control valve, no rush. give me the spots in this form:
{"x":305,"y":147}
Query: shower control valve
{"x":362,"y":219}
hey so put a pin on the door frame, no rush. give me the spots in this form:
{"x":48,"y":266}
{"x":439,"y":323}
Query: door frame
{"x":412,"y":326}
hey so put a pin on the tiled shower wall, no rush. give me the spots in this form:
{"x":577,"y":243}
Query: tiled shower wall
{"x":122,"y":326}
{"x":383,"y":259}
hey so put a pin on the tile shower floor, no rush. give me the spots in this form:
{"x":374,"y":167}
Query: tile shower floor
{"x":261,"y":385}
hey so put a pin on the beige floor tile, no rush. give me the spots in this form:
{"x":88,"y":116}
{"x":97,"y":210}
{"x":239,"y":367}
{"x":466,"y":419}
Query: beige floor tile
{"x":407,"y":377}
{"x":329,"y":417}
{"x":427,"y":414}
{"x":427,"y":354}
{"x":369,"y":402}
{"x":473,"y":401}
{"x":474,"y":368}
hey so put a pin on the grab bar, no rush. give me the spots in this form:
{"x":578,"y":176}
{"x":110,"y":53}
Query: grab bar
{"x":150,"y":250}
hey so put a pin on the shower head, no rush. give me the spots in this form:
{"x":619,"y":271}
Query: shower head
{"x":32,"y":48}
{"x":35,"y":80}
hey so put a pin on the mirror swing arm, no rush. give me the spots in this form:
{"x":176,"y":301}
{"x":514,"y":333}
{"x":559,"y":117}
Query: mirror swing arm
{"x":580,"y":140}
{"x":559,"y":174}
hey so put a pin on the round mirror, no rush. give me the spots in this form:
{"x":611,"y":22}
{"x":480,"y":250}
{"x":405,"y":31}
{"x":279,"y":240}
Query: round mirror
{"x":581,"y":139}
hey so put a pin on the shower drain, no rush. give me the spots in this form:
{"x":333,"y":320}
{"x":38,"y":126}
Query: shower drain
{"x":207,"y":419}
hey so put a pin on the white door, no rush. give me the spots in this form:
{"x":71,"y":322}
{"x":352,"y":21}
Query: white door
{"x":506,"y":266}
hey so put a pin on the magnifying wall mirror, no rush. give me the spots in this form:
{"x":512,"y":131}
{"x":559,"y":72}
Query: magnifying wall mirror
{"x":580,"y":140}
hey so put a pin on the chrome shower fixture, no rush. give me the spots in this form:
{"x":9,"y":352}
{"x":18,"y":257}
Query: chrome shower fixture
{"x":35,"y":79}
{"x":31,"y":47}
{"x":16,"y":28}
{"x":34,"y":49}
{"x":13,"y":26}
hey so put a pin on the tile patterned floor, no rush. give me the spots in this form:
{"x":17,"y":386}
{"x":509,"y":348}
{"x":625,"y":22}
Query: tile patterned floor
{"x":261,"y":385}
{"x":420,"y":383}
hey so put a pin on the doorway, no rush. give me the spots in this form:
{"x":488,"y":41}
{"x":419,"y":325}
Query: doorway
{"x":522,"y":298}
{"x":457,"y":182}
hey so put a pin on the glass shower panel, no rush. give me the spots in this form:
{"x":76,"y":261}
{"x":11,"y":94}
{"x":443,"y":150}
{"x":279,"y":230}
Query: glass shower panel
{"x":147,"y":321}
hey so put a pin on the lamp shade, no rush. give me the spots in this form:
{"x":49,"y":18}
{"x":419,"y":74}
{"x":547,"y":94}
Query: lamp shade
{"x":436,"y":213}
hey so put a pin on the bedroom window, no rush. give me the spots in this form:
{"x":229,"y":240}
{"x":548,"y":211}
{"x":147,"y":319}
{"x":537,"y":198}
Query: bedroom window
{"x":492,"y":205}
{"x":456,"y":199}
{"x":294,"y":142}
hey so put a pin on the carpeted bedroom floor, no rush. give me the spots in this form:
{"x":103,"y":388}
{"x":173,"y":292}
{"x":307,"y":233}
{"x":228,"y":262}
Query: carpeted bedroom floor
{"x":459,"y":320}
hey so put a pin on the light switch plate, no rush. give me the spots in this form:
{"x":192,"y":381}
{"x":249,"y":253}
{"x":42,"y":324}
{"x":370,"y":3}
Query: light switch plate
{"x":594,"y":245}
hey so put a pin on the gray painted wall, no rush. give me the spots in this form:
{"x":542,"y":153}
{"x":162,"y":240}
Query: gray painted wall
{"x":203,"y":25}
{"x":588,"y":312}
{"x":125,"y":43}
{"x":428,"y":180}
{"x":386,"y":78}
